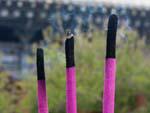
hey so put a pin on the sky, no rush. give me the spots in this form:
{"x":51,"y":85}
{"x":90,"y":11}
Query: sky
{"x":137,"y":3}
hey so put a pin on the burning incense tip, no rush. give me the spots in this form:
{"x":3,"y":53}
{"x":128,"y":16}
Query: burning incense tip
{"x":69,"y":34}
{"x":40,"y":64}
{"x":111,"y":36}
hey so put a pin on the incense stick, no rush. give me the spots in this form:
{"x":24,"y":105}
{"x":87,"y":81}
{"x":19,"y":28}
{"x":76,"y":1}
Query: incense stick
{"x":110,"y":67}
{"x":42,"y":96}
{"x":71,"y":104}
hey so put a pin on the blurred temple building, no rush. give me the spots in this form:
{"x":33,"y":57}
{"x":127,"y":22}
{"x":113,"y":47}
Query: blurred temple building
{"x":22,"y":22}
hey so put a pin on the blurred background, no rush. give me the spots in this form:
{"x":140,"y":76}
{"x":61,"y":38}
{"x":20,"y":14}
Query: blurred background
{"x":28,"y":24}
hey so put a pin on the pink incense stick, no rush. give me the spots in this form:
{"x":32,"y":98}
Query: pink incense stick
{"x":42,"y":97}
{"x":71,"y":104}
{"x":110,"y":67}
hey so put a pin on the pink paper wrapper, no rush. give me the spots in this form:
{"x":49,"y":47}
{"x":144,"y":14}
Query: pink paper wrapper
{"x":109,"y":86}
{"x":42,"y":97}
{"x":71,"y":104}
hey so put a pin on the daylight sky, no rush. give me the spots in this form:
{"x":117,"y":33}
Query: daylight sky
{"x":137,"y":3}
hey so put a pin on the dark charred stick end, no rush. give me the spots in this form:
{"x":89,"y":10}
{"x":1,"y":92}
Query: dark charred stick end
{"x":69,"y":50}
{"x":69,"y":34}
{"x":40,"y":64}
{"x":111,"y":36}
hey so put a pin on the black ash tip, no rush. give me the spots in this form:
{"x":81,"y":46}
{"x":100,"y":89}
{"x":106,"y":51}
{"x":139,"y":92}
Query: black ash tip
{"x":111,"y":36}
{"x":40,"y":64}
{"x":69,"y":50}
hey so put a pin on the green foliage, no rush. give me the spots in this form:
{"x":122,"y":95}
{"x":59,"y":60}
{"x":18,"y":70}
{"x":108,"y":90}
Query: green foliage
{"x":133,"y":76}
